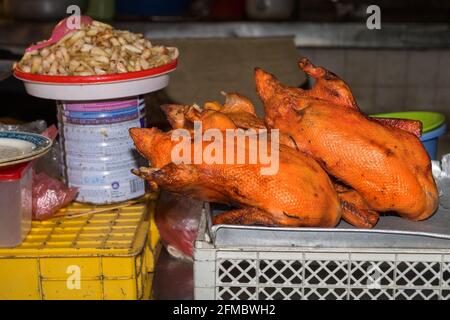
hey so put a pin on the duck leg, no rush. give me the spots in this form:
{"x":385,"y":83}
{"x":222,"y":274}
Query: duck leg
{"x":253,"y":216}
{"x":355,"y":210}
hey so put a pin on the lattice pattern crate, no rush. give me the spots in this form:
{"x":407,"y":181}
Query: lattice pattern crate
{"x":298,"y":273}
{"x":111,"y":252}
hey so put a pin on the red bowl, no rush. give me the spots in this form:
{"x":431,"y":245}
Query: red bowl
{"x":97,"y":78}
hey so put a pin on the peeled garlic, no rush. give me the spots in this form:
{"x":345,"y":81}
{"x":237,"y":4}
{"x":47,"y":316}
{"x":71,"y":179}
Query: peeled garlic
{"x":96,"y":49}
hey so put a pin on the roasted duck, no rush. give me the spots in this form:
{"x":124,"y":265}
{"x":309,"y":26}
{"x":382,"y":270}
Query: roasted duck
{"x":237,"y":112}
{"x":241,"y":112}
{"x":382,"y":160}
{"x":299,"y":194}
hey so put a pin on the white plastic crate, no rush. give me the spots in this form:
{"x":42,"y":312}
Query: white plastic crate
{"x":268,"y":273}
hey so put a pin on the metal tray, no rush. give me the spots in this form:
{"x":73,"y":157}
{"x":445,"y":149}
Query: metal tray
{"x":390,"y":232}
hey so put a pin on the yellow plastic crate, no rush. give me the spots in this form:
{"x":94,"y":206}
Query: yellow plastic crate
{"x":102,"y":255}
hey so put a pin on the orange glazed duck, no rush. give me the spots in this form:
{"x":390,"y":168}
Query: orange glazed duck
{"x":299,"y":194}
{"x":383,"y":160}
{"x":239,"y":112}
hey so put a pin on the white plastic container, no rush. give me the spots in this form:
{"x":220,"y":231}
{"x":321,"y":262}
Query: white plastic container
{"x":15,"y":204}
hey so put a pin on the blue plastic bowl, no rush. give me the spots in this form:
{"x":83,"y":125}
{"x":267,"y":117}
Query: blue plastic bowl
{"x":430,"y":140}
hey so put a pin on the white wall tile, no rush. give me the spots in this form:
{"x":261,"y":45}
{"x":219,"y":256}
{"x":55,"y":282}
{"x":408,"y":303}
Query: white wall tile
{"x":360,"y":67}
{"x":420,"y":96}
{"x":422,"y":68}
{"x":443,"y":78}
{"x":389,"y":99}
{"x":391,"y":67}
{"x":442,"y":100}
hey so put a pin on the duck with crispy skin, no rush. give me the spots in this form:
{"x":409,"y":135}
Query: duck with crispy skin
{"x":382,"y":160}
{"x":299,"y":194}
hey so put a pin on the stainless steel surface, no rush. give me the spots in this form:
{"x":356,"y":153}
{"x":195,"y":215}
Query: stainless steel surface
{"x":390,"y":232}
{"x":40,"y":10}
{"x":350,"y":35}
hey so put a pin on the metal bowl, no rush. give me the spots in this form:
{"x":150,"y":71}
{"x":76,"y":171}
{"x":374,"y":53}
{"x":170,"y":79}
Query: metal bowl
{"x":40,"y":10}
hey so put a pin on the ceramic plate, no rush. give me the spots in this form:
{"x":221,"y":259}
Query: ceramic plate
{"x":11,"y":163}
{"x":104,"y":87}
{"x":15,"y":146}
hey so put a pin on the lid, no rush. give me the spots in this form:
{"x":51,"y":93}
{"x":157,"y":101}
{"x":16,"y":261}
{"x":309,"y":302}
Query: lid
{"x":13,"y":172}
{"x":95,"y":88}
{"x":430,"y":120}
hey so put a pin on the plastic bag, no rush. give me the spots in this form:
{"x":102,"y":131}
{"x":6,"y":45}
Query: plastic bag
{"x":441,"y":174}
{"x":49,"y":195}
{"x":33,"y":127}
{"x":177,"y":218}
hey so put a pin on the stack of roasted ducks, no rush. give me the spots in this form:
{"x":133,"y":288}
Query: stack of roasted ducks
{"x":334,"y":161}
